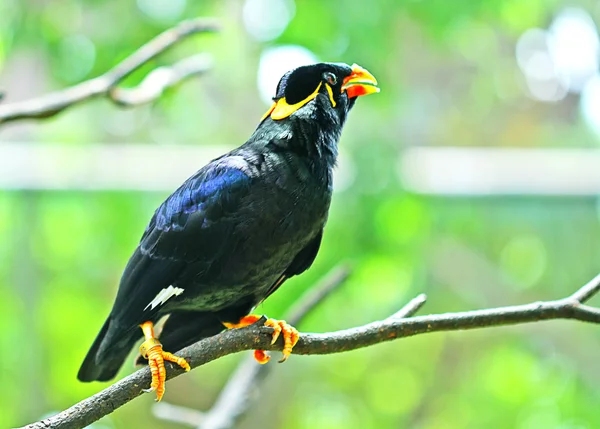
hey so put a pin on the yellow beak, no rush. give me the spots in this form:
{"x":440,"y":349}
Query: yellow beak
{"x":360,"y":82}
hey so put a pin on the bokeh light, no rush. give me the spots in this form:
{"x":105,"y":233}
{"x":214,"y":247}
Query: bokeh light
{"x":573,"y":47}
{"x":267,"y":19}
{"x":561,"y":59}
{"x":162,"y":10}
{"x":76,"y":57}
{"x":275,"y":62}
{"x":590,"y":104}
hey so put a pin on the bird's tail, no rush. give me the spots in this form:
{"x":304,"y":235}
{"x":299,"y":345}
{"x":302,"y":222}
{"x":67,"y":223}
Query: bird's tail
{"x":107,"y":354}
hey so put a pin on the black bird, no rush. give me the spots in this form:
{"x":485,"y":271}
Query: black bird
{"x":234,"y":231}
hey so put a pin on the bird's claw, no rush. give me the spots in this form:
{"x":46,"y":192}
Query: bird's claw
{"x":290,"y":335}
{"x":151,"y":349}
{"x":277,"y":328}
{"x":290,"y":338}
{"x":261,"y":356}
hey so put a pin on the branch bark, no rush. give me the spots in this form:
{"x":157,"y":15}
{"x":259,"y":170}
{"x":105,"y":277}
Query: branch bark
{"x":258,"y":336}
{"x":106,"y":85}
{"x":238,"y":393}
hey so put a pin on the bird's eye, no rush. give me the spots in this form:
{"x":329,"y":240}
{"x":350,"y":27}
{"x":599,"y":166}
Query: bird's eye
{"x":330,"y":78}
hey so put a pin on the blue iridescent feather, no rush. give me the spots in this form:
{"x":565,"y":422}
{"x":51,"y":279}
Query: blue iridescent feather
{"x":195,"y":194}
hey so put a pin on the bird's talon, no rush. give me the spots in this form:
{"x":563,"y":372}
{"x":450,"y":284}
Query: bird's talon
{"x":275,"y":324}
{"x":261,"y":356}
{"x":152,"y":350}
{"x":290,"y":335}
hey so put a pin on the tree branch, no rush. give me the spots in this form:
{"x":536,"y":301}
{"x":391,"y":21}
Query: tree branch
{"x":258,"y":336}
{"x":241,"y":388}
{"x":106,"y":84}
{"x":410,"y":308}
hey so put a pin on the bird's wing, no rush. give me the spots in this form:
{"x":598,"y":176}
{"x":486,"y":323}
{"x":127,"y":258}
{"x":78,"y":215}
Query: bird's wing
{"x":301,"y":263}
{"x":194,"y":225}
{"x":305,"y":257}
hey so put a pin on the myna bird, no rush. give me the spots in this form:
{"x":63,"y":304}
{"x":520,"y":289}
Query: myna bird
{"x":235,"y":231}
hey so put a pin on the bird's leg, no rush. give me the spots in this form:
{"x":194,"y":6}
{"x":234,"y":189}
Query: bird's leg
{"x":152,"y":350}
{"x":290,"y":335}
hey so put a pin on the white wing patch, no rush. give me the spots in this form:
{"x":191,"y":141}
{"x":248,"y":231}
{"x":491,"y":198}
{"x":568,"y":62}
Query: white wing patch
{"x":162,"y":296}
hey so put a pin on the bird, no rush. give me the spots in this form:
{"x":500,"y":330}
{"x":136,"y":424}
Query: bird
{"x":234,"y":231}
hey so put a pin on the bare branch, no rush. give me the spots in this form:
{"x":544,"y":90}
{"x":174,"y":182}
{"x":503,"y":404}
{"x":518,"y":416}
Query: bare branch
{"x":160,"y":79}
{"x":235,"y":399}
{"x":259,"y":337}
{"x":53,"y":103}
{"x":237,"y":395}
{"x":241,"y":388}
{"x":317,"y":294}
{"x":411,"y":307}
{"x":587,"y":291}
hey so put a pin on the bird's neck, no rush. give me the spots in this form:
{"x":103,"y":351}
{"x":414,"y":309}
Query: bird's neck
{"x":316,"y":142}
{"x":305,"y":143}
{"x":313,"y":135}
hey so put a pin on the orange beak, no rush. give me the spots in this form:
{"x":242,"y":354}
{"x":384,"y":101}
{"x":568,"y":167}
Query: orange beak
{"x":360,"y":82}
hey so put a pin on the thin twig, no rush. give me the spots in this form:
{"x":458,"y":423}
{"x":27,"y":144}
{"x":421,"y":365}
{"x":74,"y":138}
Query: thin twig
{"x":241,"y":388}
{"x":315,"y":295}
{"x":50,"y":104}
{"x":587,"y":291}
{"x":411,"y":307}
{"x":259,"y":337}
{"x":157,"y":81}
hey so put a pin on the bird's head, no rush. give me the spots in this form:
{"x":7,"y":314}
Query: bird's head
{"x":331,"y":88}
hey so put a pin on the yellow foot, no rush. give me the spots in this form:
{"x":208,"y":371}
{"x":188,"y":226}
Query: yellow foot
{"x":152,"y":350}
{"x":290,"y":335}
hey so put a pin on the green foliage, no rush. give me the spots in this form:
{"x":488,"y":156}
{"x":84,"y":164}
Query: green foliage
{"x":448,"y":78}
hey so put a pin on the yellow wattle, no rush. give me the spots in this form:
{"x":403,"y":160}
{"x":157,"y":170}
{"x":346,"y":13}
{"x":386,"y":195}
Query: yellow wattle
{"x":330,"y":92}
{"x":283,"y":109}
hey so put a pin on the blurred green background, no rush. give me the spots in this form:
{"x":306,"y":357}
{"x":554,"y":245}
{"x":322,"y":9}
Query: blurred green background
{"x":462,"y":74}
